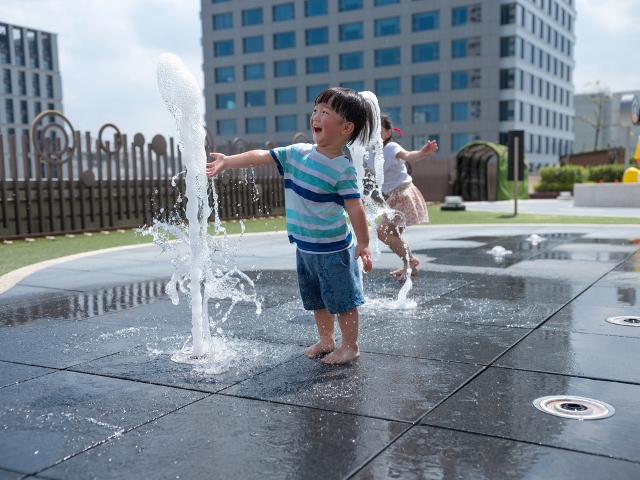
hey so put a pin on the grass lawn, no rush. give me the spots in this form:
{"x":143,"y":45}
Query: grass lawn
{"x":21,"y":253}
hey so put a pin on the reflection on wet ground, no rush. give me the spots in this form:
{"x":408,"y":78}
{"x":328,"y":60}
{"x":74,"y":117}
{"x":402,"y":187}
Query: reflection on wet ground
{"x":444,"y":389}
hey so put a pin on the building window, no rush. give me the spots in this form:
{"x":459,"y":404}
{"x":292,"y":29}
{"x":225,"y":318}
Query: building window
{"x":283,"y":12}
{"x":226,"y":127}
{"x":425,"y":21}
{"x":32,"y":48}
{"x":318,"y":64}
{"x":427,"y":52}
{"x":351,"y":61}
{"x":387,"y":26}
{"x":465,"y":15}
{"x":459,"y":48}
{"x":381,"y":3}
{"x":459,"y":80}
{"x":284,"y":40}
{"x":255,"y":98}
{"x":346,"y":5}
{"x":35,"y":84}
{"x":507,"y":78}
{"x":358,"y":86}
{"x":507,"y":46}
{"x":286,"y":96}
{"x":387,"y":86}
{"x":507,"y":110}
{"x":426,"y":113}
{"x":317,"y":36}
{"x":225,"y":75}
{"x":252,"y":17}
{"x":387,"y":56}
{"x":253,"y":44}
{"x":223,"y":48}
{"x":314,"y":90}
{"x":49,"y":86}
{"x":284,"y":68}
{"x":351,"y":31}
{"x":22,"y":83}
{"x":18,"y":47}
{"x":256,"y":125}
{"x":223,"y":21}
{"x":313,"y":8}
{"x":4,"y":44}
{"x":394,"y":114}
{"x":8,"y":107}
{"x":47,"y":52}
{"x":286,"y":123}
{"x":459,"y":140}
{"x":426,"y":83}
{"x":226,"y":101}
{"x":6,"y":79}
{"x":254,"y":71}
{"x":459,"y":111}
{"x":24,"y":112}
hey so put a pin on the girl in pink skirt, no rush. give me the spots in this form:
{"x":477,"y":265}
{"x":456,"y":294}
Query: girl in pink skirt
{"x":401,"y":195}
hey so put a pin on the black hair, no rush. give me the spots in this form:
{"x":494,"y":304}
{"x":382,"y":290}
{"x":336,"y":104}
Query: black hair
{"x":354,"y":108}
{"x":385,"y":122}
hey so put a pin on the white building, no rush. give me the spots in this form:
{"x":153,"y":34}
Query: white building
{"x":31,"y":81}
{"x":454,"y":71}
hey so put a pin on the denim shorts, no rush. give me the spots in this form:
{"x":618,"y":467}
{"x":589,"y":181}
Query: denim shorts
{"x":329,"y":280}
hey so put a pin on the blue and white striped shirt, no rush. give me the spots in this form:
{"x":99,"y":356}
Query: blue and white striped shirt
{"x":315,"y":189}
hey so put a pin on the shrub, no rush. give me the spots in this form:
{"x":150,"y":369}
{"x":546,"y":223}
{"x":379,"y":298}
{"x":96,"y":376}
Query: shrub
{"x":606,"y":173}
{"x":560,"y":178}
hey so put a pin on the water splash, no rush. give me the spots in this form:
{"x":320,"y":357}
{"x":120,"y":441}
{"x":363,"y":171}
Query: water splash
{"x":499,"y":251}
{"x":375,"y":206}
{"x":206,"y":271}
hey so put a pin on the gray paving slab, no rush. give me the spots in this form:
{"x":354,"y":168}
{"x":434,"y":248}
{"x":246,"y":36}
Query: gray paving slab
{"x":499,"y":403}
{"x":443,"y":388}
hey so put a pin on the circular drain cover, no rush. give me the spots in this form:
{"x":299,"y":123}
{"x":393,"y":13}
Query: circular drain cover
{"x":625,"y":320}
{"x":574,"y":407}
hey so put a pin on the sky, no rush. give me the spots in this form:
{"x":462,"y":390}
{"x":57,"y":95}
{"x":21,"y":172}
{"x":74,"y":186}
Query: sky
{"x":108,"y":52}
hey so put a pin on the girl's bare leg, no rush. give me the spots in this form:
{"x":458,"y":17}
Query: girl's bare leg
{"x":348,"y":350}
{"x":325,"y":322}
{"x":390,"y":235}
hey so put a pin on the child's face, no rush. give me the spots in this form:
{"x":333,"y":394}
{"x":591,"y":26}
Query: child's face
{"x":385,"y":133}
{"x":327,"y":126}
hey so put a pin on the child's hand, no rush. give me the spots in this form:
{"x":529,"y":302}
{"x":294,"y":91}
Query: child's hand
{"x":363,"y":252}
{"x":429,"y":149}
{"x":218,"y":164}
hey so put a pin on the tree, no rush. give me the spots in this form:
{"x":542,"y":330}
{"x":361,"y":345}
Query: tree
{"x":599,"y":96}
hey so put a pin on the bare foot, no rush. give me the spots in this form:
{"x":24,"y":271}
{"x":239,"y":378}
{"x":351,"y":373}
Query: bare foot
{"x":341,"y":355}
{"x":319,"y":348}
{"x":401,"y":273}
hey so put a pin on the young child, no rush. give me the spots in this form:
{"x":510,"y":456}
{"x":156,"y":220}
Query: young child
{"x":401,"y":195}
{"x":320,"y":184}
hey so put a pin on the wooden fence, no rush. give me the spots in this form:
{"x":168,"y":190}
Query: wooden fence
{"x":69,"y":183}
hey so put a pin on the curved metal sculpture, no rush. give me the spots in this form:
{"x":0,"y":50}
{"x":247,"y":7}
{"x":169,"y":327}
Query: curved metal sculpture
{"x":117,"y":137}
{"x":49,"y":152}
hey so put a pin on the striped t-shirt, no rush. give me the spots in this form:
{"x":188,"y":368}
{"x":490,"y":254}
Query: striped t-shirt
{"x":315,"y":189}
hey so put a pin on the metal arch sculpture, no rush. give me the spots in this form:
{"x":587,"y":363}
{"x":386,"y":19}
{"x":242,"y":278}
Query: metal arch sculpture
{"x":300,"y":136}
{"x":66,"y":152}
{"x":117,"y":137}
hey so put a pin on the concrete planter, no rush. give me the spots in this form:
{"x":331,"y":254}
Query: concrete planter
{"x":607,"y":195}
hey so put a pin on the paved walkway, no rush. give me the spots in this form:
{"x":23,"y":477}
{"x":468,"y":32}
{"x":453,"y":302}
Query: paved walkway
{"x":442,"y":390}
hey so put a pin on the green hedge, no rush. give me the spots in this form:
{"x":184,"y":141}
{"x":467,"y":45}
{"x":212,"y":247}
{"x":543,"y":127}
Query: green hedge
{"x":561,"y":178}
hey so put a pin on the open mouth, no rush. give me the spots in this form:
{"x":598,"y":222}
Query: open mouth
{"x":317,"y":129}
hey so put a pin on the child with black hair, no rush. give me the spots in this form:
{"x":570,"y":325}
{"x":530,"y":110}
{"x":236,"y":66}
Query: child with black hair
{"x":320,"y":184}
{"x":401,"y":195}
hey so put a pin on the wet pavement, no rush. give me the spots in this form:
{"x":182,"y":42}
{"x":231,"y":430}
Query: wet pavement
{"x":443,"y":390}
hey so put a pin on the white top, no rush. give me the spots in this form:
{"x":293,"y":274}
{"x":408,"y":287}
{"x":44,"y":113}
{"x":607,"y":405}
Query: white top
{"x":395,"y":170}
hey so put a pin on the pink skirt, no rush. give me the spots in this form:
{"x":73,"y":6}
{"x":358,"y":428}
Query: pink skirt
{"x":408,"y":200}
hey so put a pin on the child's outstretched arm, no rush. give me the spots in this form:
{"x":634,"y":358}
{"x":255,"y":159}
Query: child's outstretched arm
{"x":252,"y":158}
{"x":429,"y":149}
{"x":355,"y":210}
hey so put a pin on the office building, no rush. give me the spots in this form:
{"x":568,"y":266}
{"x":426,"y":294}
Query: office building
{"x":454,"y":71}
{"x":31,"y":81}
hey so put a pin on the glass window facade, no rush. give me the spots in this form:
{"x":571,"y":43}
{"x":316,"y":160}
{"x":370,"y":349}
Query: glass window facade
{"x":284,"y":40}
{"x":425,"y":83}
{"x":351,"y":31}
{"x":459,"y":80}
{"x":387,"y":56}
{"x":253,"y":44}
{"x":425,"y":21}
{"x":286,"y":123}
{"x":226,"y":127}
{"x":386,"y":26}
{"x":254,"y":71}
{"x":226,"y":101}
{"x":351,"y":61}
{"x":346,"y":5}
{"x":286,"y":11}
{"x":255,"y":98}
{"x":225,"y":75}
{"x":427,"y":52}
{"x":387,"y":87}
{"x":284,"y":68}
{"x":313,"y":8}
{"x":426,"y":113}
{"x":223,"y":21}
{"x":252,"y":17}
{"x":223,"y":48}
{"x":317,"y":64}
{"x":317,"y":36}
{"x":255,"y":125}
{"x":286,"y":96}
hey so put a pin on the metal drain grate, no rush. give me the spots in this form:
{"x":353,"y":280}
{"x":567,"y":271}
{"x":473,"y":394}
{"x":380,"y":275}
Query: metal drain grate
{"x":627,"y":321}
{"x":574,"y":407}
